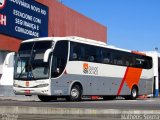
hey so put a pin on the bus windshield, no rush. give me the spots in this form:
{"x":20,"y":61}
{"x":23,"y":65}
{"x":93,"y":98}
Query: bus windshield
{"x":29,"y":63}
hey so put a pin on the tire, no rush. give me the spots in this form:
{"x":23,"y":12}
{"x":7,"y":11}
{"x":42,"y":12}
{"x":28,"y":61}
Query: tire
{"x":75,"y":94}
{"x":46,"y":98}
{"x":134,"y":94}
{"x":109,"y":97}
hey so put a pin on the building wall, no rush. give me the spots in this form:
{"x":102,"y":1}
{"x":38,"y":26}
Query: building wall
{"x":9,"y":43}
{"x":63,"y":21}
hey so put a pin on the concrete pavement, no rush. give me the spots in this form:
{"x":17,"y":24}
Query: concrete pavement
{"x":17,"y":108}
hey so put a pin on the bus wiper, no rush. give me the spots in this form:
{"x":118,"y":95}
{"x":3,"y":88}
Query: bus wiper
{"x":30,"y":65}
{"x":32,"y":73}
{"x":21,"y":72}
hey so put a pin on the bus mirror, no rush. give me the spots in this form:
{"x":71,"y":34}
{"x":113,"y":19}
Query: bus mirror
{"x":9,"y":58}
{"x":46,"y":55}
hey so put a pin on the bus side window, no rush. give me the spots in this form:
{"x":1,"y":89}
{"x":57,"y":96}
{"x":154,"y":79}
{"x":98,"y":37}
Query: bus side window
{"x":106,"y":56}
{"x":146,"y":64}
{"x":75,"y":52}
{"x":91,"y":59}
{"x":117,"y":58}
{"x":127,"y":63}
{"x":128,"y":60}
{"x":90,"y":53}
{"x":119,"y":61}
{"x":59,"y":59}
{"x":143,"y":62}
{"x":74,"y":56}
{"x":138,"y":61}
{"x":106,"y":60}
{"x":98,"y":57}
{"x":149,"y":63}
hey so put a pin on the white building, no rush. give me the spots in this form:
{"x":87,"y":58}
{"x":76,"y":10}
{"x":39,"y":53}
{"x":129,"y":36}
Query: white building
{"x":6,"y":74}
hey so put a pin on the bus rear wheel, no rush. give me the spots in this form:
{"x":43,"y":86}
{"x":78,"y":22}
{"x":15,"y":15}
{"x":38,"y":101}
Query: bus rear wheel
{"x":46,"y":98}
{"x":134,"y":94}
{"x":75,"y":94}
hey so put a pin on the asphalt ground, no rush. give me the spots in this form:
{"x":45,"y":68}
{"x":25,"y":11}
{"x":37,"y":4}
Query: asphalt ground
{"x":141,"y":109}
{"x":139,"y":104}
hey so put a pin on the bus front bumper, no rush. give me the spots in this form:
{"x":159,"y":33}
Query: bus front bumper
{"x":31,"y":91}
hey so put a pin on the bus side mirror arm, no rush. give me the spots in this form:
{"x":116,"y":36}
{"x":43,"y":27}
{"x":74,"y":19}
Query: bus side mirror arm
{"x":46,"y":55}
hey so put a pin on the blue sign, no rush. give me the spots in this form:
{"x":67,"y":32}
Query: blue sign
{"x":23,"y":19}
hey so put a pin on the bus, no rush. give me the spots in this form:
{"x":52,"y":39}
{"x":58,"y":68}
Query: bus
{"x":72,"y":67}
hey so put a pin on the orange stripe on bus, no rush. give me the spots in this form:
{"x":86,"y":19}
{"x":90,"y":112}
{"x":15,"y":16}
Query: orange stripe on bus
{"x":138,"y":53}
{"x":131,"y":77}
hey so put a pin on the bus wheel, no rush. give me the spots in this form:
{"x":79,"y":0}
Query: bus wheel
{"x":46,"y":98}
{"x":134,"y":94}
{"x":75,"y":93}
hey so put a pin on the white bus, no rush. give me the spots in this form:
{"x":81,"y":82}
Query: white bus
{"x":73,"y":67}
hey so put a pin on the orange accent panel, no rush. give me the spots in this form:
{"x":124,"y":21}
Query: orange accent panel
{"x":85,"y":66}
{"x":139,"y":53}
{"x":133,"y":76}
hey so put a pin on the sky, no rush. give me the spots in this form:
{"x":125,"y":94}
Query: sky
{"x":131,"y":24}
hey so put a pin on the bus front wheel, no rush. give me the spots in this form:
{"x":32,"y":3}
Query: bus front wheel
{"x":75,"y":94}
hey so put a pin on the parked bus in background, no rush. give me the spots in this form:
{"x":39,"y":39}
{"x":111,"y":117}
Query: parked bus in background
{"x":73,"y":67}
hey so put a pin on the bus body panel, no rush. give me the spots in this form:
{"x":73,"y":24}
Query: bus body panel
{"x":96,"y":85}
{"x":99,"y":84}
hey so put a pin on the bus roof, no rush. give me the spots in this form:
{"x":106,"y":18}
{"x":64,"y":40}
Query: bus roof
{"x":79,"y":40}
{"x":70,"y":38}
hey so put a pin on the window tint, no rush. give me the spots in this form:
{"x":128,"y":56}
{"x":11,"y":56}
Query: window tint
{"x":107,"y":59}
{"x":117,"y":58}
{"x":149,"y":62}
{"x":35,"y":45}
{"x":128,"y":59}
{"x":59,"y":59}
{"x":89,"y":53}
{"x":76,"y":51}
{"x":143,"y":62}
{"x":92,"y":53}
{"x":84,"y":52}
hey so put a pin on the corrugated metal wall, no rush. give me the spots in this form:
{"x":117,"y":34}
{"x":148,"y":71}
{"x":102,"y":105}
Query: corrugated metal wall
{"x":9,"y":43}
{"x":63,"y":21}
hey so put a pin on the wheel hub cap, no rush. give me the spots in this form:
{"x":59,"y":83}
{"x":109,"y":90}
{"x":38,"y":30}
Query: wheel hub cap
{"x":74,"y":93}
